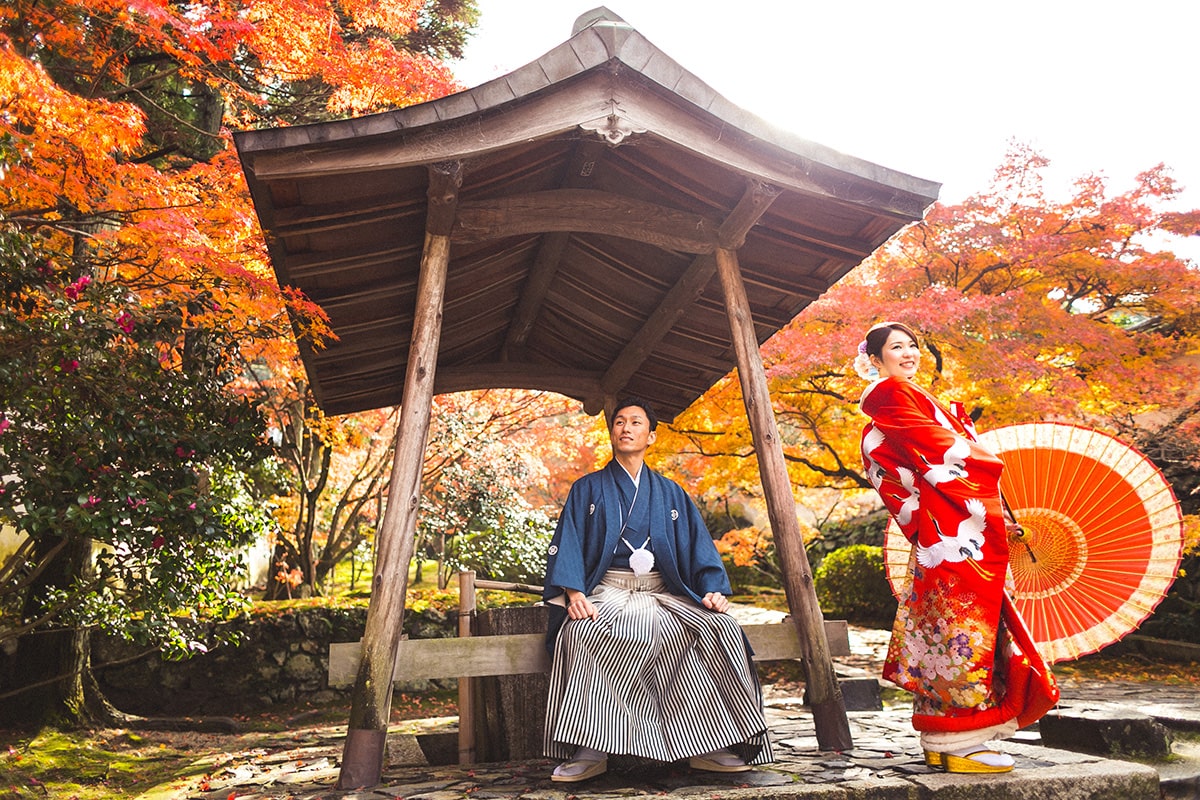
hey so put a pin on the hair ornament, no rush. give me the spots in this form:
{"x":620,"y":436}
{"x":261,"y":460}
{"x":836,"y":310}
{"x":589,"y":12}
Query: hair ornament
{"x":863,"y":366}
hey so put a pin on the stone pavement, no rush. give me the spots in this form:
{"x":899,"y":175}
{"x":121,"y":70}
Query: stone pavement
{"x":886,"y":761}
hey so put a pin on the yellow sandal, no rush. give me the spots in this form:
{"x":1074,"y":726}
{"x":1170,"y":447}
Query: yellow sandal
{"x":970,"y":763}
{"x":933,"y":759}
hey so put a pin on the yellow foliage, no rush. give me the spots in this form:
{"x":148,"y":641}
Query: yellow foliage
{"x":747,"y":547}
{"x":1191,"y":534}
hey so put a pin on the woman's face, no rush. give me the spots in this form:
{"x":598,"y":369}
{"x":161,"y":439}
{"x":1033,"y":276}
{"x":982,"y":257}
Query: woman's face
{"x":900,"y":357}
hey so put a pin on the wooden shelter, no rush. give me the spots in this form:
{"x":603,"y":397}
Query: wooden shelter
{"x":595,"y":223}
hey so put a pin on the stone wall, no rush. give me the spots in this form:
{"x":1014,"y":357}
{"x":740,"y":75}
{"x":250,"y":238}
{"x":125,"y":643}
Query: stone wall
{"x":282,"y":659}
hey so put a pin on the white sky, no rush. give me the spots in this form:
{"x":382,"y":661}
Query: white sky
{"x":934,"y":88}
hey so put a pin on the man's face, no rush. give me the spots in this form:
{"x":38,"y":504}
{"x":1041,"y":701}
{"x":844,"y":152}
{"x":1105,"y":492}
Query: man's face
{"x":631,"y":432}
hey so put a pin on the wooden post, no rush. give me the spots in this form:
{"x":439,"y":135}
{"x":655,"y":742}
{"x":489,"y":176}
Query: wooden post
{"x":371,"y":701}
{"x":466,"y":709}
{"x":825,"y":696}
{"x":510,"y":709}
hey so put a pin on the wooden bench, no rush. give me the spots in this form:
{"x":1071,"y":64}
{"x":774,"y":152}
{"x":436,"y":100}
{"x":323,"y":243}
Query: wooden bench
{"x":474,"y":659}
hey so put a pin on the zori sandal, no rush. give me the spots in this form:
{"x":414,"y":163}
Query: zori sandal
{"x":579,"y":770}
{"x":933,"y":759}
{"x":978,"y":762}
{"x":586,"y":763}
{"x":720,"y":761}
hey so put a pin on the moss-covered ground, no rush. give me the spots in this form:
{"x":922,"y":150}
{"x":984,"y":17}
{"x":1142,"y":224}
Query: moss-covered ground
{"x":153,"y":765}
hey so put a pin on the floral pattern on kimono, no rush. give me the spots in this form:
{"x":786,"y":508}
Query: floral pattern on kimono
{"x":958,"y":644}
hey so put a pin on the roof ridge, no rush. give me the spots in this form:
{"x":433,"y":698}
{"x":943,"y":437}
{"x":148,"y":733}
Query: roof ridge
{"x":596,"y":16}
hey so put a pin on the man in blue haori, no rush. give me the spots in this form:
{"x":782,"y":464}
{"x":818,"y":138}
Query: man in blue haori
{"x":647,"y":662}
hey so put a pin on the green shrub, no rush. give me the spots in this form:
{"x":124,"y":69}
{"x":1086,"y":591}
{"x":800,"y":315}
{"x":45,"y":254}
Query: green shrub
{"x":867,"y":529}
{"x":851,"y":585}
{"x":514,"y":551}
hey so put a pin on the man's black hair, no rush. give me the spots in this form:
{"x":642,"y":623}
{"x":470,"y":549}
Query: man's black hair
{"x":640,"y":403}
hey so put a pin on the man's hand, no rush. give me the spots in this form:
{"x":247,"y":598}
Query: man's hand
{"x":716,"y":601}
{"x":578,"y":606}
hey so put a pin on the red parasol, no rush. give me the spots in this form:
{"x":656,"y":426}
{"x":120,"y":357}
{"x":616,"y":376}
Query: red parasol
{"x":1103,"y":535}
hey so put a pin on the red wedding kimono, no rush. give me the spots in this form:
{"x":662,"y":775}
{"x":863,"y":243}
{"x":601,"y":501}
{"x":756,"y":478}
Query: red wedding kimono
{"x":958,"y":643}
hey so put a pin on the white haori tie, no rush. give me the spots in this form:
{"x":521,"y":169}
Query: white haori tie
{"x":641,"y":560}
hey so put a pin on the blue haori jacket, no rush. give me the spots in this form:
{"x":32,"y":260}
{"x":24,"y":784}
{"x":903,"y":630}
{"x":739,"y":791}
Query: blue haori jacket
{"x":589,"y":530}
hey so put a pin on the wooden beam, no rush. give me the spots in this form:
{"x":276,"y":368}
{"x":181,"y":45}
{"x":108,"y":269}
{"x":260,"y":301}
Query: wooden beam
{"x":375,"y":372}
{"x":745,"y":215}
{"x":324,"y":264}
{"x":533,"y":293}
{"x":519,"y":375}
{"x":678,"y":300}
{"x":525,"y":653}
{"x":824,"y":694}
{"x":343,"y":214}
{"x":371,"y":700}
{"x":381,"y":387}
{"x":586,"y":211}
{"x":580,"y":171}
{"x":445,"y":179}
{"x":756,"y":199}
{"x":819,"y":243}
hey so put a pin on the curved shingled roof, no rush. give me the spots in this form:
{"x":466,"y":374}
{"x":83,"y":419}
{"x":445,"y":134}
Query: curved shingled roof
{"x":596,"y":183}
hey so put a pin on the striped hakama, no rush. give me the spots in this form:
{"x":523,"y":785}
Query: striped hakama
{"x":655,"y":676}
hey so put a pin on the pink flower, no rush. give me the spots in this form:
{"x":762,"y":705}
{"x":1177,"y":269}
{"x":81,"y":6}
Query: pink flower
{"x":68,"y":365}
{"x":184,"y":452}
{"x":75,"y":289}
{"x":158,"y":542}
{"x":125,"y":321}
{"x":4,"y":425}
{"x":91,"y":502}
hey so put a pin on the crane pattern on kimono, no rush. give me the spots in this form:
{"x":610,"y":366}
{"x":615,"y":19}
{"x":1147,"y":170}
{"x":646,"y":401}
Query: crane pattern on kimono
{"x":910,"y":501}
{"x":875,"y":472}
{"x":953,"y":466}
{"x":967,"y":543}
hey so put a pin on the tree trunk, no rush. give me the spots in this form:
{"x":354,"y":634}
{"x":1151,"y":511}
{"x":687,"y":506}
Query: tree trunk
{"x":45,"y":679}
{"x":48,"y":681}
{"x":280,"y":560}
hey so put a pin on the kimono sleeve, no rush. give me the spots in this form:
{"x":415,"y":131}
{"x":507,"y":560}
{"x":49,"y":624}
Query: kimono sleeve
{"x":707,"y":570}
{"x":896,"y":486}
{"x":565,"y":566}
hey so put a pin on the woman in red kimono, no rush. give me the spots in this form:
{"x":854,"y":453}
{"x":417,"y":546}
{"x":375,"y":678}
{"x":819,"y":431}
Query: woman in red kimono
{"x":958,"y":643}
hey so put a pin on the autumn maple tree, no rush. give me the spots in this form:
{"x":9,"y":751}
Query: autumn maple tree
{"x":488,"y":481}
{"x":139,"y":288}
{"x":1030,"y":308}
{"x":327,"y":490}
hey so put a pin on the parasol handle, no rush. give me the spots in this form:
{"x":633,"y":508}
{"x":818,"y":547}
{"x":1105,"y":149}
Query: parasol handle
{"x":1020,"y":534}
